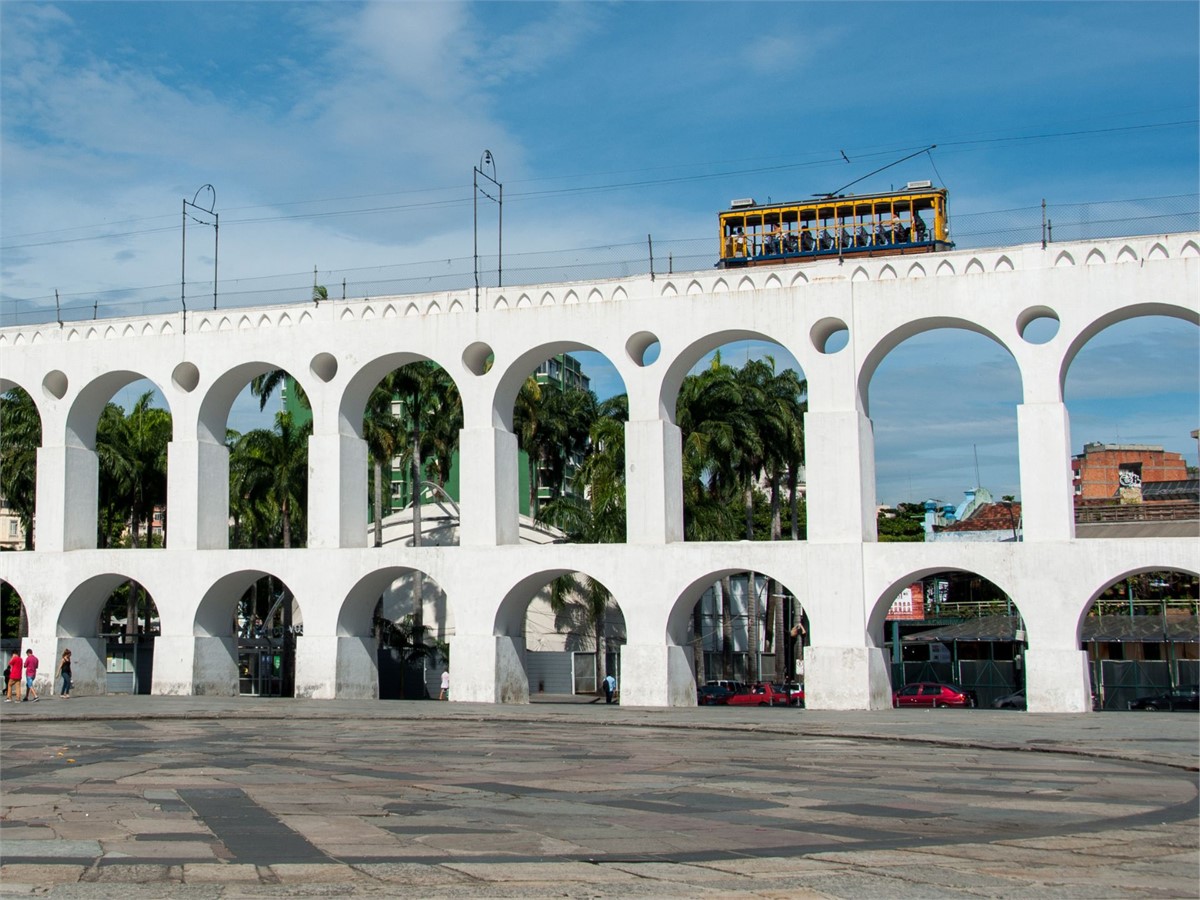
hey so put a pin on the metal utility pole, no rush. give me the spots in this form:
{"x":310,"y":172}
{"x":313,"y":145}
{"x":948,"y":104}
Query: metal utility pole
{"x":485,"y":161}
{"x":216,"y":224}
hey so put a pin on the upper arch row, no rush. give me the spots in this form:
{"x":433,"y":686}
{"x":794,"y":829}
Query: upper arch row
{"x":206,"y":372}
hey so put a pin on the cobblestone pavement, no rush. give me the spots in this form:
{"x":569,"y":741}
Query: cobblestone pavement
{"x":136,"y":797}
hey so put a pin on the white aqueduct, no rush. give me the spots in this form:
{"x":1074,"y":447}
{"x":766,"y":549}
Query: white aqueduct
{"x":339,"y":351}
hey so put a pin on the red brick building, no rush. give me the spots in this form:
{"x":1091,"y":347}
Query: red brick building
{"x":1115,"y":472}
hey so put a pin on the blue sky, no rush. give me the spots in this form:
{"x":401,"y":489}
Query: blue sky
{"x":342,"y":136}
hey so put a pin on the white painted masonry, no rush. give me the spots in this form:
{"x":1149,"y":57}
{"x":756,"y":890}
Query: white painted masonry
{"x":339,"y":351}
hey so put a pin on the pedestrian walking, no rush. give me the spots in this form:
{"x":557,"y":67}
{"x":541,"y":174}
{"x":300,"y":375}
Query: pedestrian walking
{"x":445,"y":694}
{"x":14,"y":677}
{"x":64,"y":669}
{"x":610,"y":687}
{"x":31,"y":667}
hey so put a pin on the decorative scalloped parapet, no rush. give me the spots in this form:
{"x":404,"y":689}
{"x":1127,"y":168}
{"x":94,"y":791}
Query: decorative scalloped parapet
{"x":1027,"y":256}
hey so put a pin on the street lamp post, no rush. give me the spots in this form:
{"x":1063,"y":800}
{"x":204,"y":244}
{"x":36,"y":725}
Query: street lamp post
{"x":487,"y":160}
{"x":216,"y":224}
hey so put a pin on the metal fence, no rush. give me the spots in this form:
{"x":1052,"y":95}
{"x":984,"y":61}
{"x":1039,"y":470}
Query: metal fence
{"x":1032,"y":224}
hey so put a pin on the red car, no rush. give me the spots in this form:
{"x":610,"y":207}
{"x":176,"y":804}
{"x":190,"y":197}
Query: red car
{"x":934,"y":694}
{"x":760,"y":695}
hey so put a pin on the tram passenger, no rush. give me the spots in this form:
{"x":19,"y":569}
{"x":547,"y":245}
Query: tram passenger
{"x":739,"y":242}
{"x":790,"y":243}
{"x":774,"y":241}
{"x":807,"y":245}
{"x":881,"y":234}
{"x":899,"y":232}
{"x":919,"y":229}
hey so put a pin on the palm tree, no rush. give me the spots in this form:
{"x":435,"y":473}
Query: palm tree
{"x":147,"y":432}
{"x":380,"y":430}
{"x":427,"y":395}
{"x":20,"y":437}
{"x":593,"y":515}
{"x":273,"y":466}
{"x":116,"y":473}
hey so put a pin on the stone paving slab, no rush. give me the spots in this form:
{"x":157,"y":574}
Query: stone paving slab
{"x":219,"y":798}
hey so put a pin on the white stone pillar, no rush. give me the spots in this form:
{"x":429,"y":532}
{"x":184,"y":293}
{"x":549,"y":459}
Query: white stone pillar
{"x":197,"y":495}
{"x":1047,"y":494}
{"x":846,"y":678}
{"x":656,"y":675}
{"x":214,"y":667}
{"x":337,"y":491}
{"x":67,"y":498}
{"x":488,"y":669}
{"x":842,"y":669}
{"x":473,"y":668}
{"x":653,"y":482}
{"x":1057,"y":680}
{"x":316,"y":661}
{"x":840,"y":467}
{"x":174,"y":665}
{"x":357,"y":668}
{"x":488,"y":487}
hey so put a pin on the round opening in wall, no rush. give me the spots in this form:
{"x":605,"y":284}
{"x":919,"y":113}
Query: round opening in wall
{"x":186,"y":377}
{"x":477,"y":358}
{"x":55,"y":384}
{"x":643,"y":348}
{"x":829,"y":335}
{"x":324,"y":366}
{"x":1038,"y":325}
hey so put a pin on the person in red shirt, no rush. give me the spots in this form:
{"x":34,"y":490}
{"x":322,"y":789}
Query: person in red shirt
{"x":31,"y":664}
{"x":14,"y":677}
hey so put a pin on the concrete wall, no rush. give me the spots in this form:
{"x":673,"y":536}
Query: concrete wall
{"x":339,"y":351}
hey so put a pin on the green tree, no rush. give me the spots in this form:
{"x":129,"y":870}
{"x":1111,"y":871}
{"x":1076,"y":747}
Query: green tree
{"x":593,"y":515}
{"x":427,"y":395}
{"x":273,"y":470}
{"x":147,"y":432}
{"x":20,"y":438}
{"x":381,"y":432}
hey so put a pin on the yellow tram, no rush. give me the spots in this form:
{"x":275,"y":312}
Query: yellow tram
{"x":913,"y":220}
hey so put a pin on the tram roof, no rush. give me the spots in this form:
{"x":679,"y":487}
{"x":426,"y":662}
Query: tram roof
{"x":742,"y":206}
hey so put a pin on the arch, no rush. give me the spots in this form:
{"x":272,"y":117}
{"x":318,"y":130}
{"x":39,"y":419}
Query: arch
{"x":902,"y":333}
{"x":882,"y":603}
{"x":513,"y":376}
{"x":353,"y":400}
{"x":1106,"y":580}
{"x":89,"y":403}
{"x":767,"y":620}
{"x":688,"y":356}
{"x":1095,"y":257}
{"x":887,"y":273}
{"x":218,"y":399}
{"x":1113,"y":317}
{"x":9,"y":592}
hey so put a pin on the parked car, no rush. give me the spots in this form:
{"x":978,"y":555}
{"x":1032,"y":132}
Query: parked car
{"x":1015,"y":700}
{"x":763,"y":694}
{"x":934,"y":694}
{"x":794,"y":691}
{"x":1182,"y":699}
{"x":714,"y":695}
